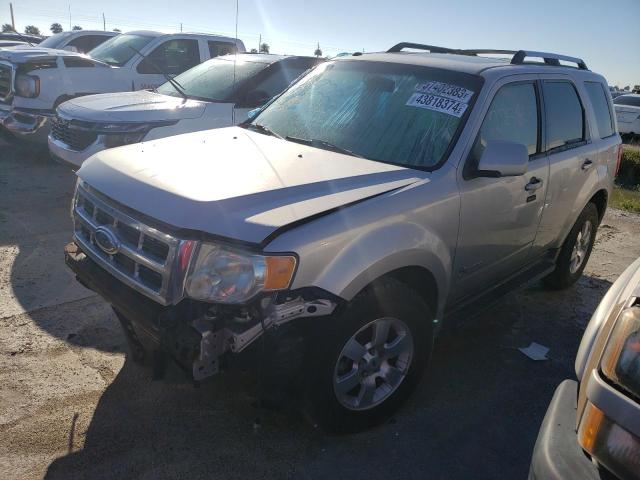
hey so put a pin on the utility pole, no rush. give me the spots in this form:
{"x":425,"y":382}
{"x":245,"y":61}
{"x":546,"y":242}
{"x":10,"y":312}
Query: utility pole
{"x":180,"y":27}
{"x":104,"y":23}
{"x":69,"y":16}
{"x":259,"y":42}
{"x":13,"y":22}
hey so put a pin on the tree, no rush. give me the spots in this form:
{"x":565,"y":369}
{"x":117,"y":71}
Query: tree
{"x":6,"y":28}
{"x":76,"y":27}
{"x":264,"y":48}
{"x":31,"y":30}
{"x":117,"y":30}
{"x":253,"y":50}
{"x":56,"y":28}
{"x":318,"y":52}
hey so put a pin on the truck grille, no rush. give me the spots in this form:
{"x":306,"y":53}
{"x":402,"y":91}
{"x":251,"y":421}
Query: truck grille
{"x":5,"y":81}
{"x":142,"y":257}
{"x":75,"y":138}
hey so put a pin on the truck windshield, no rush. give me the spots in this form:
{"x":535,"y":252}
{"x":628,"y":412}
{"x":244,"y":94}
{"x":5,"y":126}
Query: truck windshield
{"x":390,"y":112}
{"x":54,"y":41}
{"x":117,"y":50}
{"x":213,"y":80}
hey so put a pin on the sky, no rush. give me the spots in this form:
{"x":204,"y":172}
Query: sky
{"x":605,"y":34}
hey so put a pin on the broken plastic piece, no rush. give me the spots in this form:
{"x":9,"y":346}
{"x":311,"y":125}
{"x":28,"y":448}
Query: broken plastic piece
{"x":535,"y":351}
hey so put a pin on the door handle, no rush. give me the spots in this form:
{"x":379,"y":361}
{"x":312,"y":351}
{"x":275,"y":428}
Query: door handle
{"x":587,"y":164}
{"x":534,"y":184}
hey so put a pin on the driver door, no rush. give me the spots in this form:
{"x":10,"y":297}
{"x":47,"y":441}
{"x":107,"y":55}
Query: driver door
{"x":499,"y":217}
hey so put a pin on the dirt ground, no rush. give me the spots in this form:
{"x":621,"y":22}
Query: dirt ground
{"x":73,"y":406}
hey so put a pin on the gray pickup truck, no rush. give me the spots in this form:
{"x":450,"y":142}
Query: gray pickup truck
{"x":377,"y":200}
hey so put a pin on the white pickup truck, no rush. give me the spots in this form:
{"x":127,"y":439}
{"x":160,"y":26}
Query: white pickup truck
{"x":34,"y":80}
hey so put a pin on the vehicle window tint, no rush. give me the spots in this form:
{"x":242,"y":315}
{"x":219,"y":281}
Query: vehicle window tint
{"x":277,"y":79}
{"x":604,"y":119}
{"x":87,"y":43}
{"x":221,"y":48}
{"x":564,"y":115}
{"x":512,"y":116}
{"x":172,"y":57}
{"x":629,"y":100}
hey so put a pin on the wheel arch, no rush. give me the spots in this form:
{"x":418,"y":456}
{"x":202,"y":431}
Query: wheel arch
{"x":600,"y":200}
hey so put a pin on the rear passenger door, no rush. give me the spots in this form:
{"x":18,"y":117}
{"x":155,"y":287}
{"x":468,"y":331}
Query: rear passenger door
{"x":499,"y":217}
{"x":573,"y":157}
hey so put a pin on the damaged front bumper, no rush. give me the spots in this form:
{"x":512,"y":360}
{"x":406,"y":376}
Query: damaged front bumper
{"x":195,"y":334}
{"x":29,"y":125}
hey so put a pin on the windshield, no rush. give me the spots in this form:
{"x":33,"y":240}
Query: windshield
{"x":117,"y":50}
{"x":214,"y":80}
{"x":390,"y":112}
{"x":54,"y":41}
{"x":630,"y":100}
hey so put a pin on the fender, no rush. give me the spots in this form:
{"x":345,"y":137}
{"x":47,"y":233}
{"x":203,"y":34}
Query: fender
{"x":381,"y":251}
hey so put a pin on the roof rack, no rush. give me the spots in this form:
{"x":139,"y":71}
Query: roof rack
{"x":517,"y":59}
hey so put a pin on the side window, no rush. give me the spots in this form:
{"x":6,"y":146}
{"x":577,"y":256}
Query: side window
{"x":172,"y":57}
{"x":604,"y":119}
{"x":512,"y":116}
{"x":87,"y":43}
{"x":221,"y":48}
{"x":276,"y":80}
{"x":77,"y":62}
{"x":564,"y":114}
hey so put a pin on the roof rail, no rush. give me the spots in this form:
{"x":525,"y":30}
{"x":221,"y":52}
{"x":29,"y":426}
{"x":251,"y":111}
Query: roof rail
{"x":418,"y":46}
{"x":517,"y":59}
{"x":549,"y":58}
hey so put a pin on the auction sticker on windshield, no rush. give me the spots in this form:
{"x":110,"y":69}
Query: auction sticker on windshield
{"x":452,"y":92}
{"x":437,"y":104}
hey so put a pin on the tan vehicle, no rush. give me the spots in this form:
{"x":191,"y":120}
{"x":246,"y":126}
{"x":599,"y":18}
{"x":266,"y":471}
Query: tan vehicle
{"x":603,"y":407}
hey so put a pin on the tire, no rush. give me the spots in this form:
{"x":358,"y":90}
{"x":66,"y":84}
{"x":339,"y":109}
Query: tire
{"x":387,"y":304}
{"x":567,"y":271}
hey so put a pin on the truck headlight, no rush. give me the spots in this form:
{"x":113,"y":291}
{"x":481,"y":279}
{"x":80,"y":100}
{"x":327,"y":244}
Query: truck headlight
{"x":27,"y":86}
{"x":621,"y":360}
{"x":227,"y":275}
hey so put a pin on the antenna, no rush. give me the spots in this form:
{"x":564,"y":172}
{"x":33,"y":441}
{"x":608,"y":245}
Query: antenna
{"x":235,"y":57}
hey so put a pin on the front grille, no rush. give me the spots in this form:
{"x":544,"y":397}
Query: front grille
{"x":5,"y":81}
{"x":145,"y":257}
{"x":75,"y":138}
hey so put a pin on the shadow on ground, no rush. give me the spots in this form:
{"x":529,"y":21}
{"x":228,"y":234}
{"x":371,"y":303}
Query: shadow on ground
{"x":475,"y":416}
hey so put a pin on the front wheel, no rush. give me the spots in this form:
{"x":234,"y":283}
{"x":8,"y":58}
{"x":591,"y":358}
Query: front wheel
{"x":576,"y":250}
{"x":373,"y":358}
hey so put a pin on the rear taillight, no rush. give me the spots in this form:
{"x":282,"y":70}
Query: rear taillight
{"x":618,"y":158}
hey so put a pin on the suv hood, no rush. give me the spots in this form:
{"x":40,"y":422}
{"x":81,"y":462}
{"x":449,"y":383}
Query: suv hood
{"x":235,"y":183}
{"x":19,"y":54}
{"x":140,"y":106}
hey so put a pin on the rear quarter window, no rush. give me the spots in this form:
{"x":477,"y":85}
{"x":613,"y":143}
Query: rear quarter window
{"x":564,"y":114}
{"x":598,"y":99}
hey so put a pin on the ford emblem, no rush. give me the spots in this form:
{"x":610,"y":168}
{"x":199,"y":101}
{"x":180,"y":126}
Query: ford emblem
{"x":106,"y":240}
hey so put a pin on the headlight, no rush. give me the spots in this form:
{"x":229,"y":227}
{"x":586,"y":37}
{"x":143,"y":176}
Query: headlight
{"x":113,"y":140}
{"x":27,"y":86}
{"x":621,"y":359}
{"x":226,"y":275}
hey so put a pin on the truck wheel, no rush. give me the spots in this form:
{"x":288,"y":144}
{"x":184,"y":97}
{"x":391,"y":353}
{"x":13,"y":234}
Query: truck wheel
{"x":372,"y":359}
{"x":576,"y":250}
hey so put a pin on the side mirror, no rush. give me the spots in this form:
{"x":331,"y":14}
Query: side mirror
{"x":503,"y":159}
{"x":256,"y":98}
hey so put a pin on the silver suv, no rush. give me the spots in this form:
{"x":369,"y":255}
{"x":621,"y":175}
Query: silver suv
{"x":377,"y":200}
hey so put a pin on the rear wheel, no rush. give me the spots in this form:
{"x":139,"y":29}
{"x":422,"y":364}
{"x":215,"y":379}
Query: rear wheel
{"x":576,"y":250}
{"x":373,"y":359}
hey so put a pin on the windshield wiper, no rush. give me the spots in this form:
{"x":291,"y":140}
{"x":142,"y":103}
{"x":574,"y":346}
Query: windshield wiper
{"x":174,"y":83}
{"x":323,"y":144}
{"x":262,"y":129}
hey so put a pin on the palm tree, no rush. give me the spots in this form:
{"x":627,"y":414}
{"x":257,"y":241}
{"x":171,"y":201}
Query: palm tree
{"x":318,"y":52}
{"x":76,"y":27}
{"x":55,"y":28}
{"x":31,"y":30}
{"x":117,"y":30}
{"x":6,"y":28}
{"x":264,"y":48}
